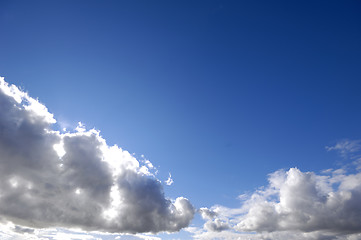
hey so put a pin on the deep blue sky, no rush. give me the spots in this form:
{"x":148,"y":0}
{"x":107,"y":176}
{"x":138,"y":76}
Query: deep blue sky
{"x":219,"y":93}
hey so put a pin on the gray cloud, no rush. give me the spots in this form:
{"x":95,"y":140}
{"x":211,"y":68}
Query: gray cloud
{"x":213,"y":224}
{"x":207,"y":214}
{"x":53,"y":179}
{"x":19,"y":229}
{"x":216,"y":225}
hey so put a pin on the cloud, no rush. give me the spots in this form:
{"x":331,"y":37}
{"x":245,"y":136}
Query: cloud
{"x":213,"y":224}
{"x":306,"y":202}
{"x":138,"y":237}
{"x":346,"y":147}
{"x":207,"y":214}
{"x":169,"y":181}
{"x":75,"y":180}
{"x":295,"y":205}
{"x":278,"y":235}
{"x":216,"y":225}
{"x":13,"y":232}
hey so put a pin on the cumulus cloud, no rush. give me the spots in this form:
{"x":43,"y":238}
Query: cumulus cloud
{"x":213,"y":224}
{"x":52,"y":179}
{"x":306,"y":202}
{"x":295,"y":205}
{"x":216,"y":225}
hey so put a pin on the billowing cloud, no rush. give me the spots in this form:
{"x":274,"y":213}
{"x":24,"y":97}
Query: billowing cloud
{"x":213,"y":224}
{"x":74,"y":179}
{"x":295,"y":205}
{"x":216,"y":225}
{"x":306,"y":202}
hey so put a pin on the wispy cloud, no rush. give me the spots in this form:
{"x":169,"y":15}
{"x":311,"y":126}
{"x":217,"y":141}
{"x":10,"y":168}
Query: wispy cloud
{"x":346,"y":147}
{"x":53,"y":179}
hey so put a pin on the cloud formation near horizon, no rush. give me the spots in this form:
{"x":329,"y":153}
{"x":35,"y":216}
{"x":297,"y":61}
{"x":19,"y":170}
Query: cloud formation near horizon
{"x":52,"y":179}
{"x":306,"y":202}
{"x":295,"y":205}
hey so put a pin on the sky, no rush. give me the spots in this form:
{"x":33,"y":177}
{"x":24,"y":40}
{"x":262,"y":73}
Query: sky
{"x":180,"y":119}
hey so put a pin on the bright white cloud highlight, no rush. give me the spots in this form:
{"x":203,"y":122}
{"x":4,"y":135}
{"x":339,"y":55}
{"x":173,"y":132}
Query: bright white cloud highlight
{"x":169,"y":181}
{"x":52,"y":179}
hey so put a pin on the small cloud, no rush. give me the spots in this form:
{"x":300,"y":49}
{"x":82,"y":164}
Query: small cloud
{"x":213,"y":223}
{"x":169,"y":181}
{"x":346,"y":147}
{"x":80,"y":128}
{"x":207,"y":214}
{"x":149,"y":164}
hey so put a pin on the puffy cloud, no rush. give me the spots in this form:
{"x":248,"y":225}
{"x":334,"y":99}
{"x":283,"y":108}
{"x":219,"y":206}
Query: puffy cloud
{"x":52,"y":179}
{"x":295,"y":205}
{"x":216,"y":225}
{"x":306,"y":202}
{"x":213,"y":223}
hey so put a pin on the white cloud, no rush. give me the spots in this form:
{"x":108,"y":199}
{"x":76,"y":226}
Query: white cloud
{"x":70,"y":236}
{"x":295,"y":205}
{"x":169,"y":181}
{"x":306,"y":202}
{"x":74,"y":179}
{"x":277,"y":235}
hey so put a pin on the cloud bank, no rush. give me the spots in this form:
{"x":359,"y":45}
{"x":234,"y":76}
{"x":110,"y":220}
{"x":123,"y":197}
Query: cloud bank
{"x":306,"y":202}
{"x":74,"y":179}
{"x":295,"y":205}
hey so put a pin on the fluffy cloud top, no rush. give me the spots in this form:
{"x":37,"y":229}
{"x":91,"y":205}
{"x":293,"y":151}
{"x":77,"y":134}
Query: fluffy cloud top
{"x":306,"y":202}
{"x":53,"y":179}
{"x":295,"y":205}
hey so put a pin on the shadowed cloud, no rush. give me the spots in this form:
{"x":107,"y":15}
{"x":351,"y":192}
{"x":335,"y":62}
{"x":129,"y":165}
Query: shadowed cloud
{"x":74,"y":179}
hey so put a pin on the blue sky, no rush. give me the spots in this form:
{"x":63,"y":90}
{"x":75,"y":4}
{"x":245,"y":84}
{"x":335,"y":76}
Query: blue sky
{"x":218,"y":93}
